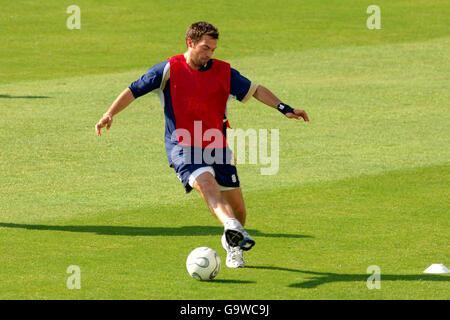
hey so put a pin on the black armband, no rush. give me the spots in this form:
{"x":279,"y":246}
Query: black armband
{"x":284,"y":108}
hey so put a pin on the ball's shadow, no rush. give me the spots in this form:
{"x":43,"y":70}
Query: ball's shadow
{"x":230,"y":281}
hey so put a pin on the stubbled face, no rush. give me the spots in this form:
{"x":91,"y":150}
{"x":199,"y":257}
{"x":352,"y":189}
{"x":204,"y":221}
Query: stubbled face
{"x":202,"y":51}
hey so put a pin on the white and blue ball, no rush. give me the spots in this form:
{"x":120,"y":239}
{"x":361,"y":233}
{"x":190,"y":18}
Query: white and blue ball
{"x":203,"y":263}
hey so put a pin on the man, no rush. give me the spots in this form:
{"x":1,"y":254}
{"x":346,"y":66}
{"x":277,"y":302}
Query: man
{"x":194,"y":90}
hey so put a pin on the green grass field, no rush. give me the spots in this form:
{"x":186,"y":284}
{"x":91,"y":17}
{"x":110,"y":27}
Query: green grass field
{"x":365,"y":183}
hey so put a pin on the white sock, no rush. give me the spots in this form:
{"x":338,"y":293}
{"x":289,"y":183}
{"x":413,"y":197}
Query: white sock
{"x":225,"y":245}
{"x":232,"y":223}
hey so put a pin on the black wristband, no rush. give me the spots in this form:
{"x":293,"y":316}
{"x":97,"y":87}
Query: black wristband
{"x":284,"y":108}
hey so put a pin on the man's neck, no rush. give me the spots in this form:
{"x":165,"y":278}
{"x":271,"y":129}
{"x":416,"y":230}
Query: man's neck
{"x":190,"y":63}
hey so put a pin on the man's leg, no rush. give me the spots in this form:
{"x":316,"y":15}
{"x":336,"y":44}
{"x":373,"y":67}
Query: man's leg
{"x":235,"y":256}
{"x":207,"y":185}
{"x":236,"y":200}
{"x":235,"y":234}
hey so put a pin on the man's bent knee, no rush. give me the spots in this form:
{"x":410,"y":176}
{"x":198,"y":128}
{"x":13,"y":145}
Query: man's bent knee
{"x":206,"y":183}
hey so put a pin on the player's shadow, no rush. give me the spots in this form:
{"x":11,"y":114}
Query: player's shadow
{"x":7,"y":96}
{"x":318,"y":278}
{"x":146,"y":231}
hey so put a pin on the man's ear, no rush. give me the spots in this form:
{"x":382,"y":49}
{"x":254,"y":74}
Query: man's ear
{"x":189,"y":43}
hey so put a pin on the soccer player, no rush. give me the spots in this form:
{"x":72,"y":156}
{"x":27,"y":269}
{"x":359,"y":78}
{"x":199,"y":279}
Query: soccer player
{"x":194,"y":90}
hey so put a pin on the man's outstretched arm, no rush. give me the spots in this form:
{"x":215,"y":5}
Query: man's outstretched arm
{"x":267,"y":97}
{"x":121,"y":102}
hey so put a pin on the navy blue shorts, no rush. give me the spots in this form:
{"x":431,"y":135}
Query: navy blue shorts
{"x":221,"y":167}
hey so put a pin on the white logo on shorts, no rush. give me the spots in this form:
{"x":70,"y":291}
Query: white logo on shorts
{"x":233,"y":178}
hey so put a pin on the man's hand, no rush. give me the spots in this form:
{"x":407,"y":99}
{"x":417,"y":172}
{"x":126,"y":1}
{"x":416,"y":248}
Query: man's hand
{"x":291,"y":112}
{"x":106,"y":120}
{"x":298,"y":114}
{"x":267,"y":97}
{"x":121,"y":102}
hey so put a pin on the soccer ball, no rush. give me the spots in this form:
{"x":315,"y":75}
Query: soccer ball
{"x":203,"y":263}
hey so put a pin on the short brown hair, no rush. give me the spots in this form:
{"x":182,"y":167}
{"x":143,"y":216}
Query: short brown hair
{"x":197,"y":30}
